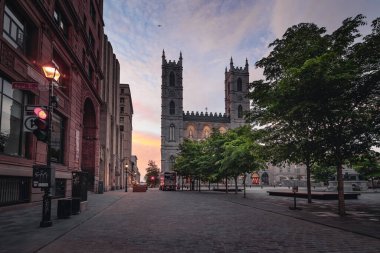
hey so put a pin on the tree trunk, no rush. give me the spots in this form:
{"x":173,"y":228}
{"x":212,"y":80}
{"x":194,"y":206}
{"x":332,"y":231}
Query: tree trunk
{"x":308,"y":181}
{"x":199,"y":184}
{"x":209,"y":185}
{"x":341,"y":204}
{"x":226,"y":185}
{"x":245,"y":176}
{"x":236,"y":186}
{"x":182,"y":183}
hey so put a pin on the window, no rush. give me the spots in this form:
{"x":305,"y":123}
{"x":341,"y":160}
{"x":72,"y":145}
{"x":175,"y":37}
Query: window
{"x":171,"y":132}
{"x":122,"y":91}
{"x":121,"y":120}
{"x":121,"y":128}
{"x":90,"y":72}
{"x":191,"y":134}
{"x":13,"y":29}
{"x":92,"y":12}
{"x":172,"y":162}
{"x":121,"y":109}
{"x":11,"y":120}
{"x":63,"y":69}
{"x":91,"y":39}
{"x":171,"y":79}
{"x":240,"y":112}
{"x":122,"y":101}
{"x":172,"y":108}
{"x":60,"y":21}
{"x":57,"y":137}
{"x":206,"y":132}
{"x":239,"y":85}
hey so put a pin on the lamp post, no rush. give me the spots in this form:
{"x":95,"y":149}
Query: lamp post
{"x":126,"y":178}
{"x":51,"y":73}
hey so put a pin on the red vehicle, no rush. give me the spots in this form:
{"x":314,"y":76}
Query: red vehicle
{"x":168,"y":181}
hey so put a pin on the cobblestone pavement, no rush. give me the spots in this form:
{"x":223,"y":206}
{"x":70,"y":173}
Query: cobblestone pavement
{"x":158,"y":221}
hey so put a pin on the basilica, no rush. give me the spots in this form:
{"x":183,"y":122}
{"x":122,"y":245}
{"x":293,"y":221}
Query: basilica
{"x":177,"y":125}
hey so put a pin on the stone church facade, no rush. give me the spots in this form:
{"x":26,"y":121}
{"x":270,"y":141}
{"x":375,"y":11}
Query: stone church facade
{"x":176,"y":125}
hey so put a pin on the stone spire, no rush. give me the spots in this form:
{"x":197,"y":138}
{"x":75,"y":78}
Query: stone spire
{"x":246,"y":64}
{"x":231,"y":64}
{"x":163,"y":56}
{"x":180,"y":58}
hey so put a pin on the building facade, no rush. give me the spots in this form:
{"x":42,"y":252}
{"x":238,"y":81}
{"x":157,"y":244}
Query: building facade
{"x":111,"y":173}
{"x":125,"y":120}
{"x":68,"y":34}
{"x":177,"y":125}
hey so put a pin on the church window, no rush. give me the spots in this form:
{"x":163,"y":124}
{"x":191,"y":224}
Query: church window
{"x":171,"y":132}
{"x":172,"y":162}
{"x":239,"y":85}
{"x":240,"y":112}
{"x":191,"y":134}
{"x":172,"y":108}
{"x":171,"y":79}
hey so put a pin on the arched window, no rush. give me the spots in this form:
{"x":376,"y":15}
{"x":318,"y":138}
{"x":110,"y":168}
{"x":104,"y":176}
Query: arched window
{"x":172,"y":108}
{"x":171,"y":132}
{"x":172,"y":162}
{"x":172,"y":79}
{"x":239,"y":85}
{"x":240,"y":112}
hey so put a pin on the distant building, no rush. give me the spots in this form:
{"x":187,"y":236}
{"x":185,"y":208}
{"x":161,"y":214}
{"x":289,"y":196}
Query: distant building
{"x":134,"y":173}
{"x":177,"y":125}
{"x":125,"y":121}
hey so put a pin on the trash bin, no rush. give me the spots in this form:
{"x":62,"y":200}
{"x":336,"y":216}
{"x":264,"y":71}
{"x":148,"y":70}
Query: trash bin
{"x":64,"y":208}
{"x":75,"y":206}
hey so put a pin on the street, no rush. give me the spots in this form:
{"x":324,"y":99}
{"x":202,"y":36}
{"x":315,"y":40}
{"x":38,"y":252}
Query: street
{"x":158,"y":221}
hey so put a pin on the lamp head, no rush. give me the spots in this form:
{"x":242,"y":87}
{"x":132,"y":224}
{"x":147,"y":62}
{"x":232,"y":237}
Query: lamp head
{"x":51,"y":71}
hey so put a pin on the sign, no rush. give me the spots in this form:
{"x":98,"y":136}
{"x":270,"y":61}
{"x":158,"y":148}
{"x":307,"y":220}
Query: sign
{"x":29,"y":125}
{"x":25,"y":85}
{"x":42,"y":176}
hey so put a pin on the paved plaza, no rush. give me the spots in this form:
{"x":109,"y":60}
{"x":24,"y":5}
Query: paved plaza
{"x":158,"y":221}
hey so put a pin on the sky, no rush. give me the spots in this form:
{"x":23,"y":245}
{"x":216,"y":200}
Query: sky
{"x":208,"y":33}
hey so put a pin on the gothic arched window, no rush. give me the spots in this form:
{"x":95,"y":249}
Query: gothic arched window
{"x":171,"y":132}
{"x":172,"y":162}
{"x":171,"y":79}
{"x":172,"y":108}
{"x":239,"y":85}
{"x":240,"y":111}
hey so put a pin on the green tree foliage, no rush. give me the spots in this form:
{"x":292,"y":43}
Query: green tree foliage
{"x":320,"y":99}
{"x":221,"y":156}
{"x":152,"y":176}
{"x":368,"y":165}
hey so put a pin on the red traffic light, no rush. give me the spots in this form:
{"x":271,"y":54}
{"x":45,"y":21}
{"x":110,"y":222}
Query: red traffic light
{"x":152,"y":178}
{"x":40,"y":113}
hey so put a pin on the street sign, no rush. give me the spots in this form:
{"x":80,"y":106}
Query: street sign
{"x":25,"y":85}
{"x":42,"y":176}
{"x":29,"y":125}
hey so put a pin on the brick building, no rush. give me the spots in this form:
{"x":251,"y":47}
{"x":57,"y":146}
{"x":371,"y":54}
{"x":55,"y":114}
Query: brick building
{"x":68,"y":34}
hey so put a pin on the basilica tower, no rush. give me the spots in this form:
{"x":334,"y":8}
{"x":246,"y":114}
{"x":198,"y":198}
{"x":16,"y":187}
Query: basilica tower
{"x":171,"y":111}
{"x":236,"y":89}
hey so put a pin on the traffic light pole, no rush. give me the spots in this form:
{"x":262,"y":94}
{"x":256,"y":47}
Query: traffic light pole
{"x":46,"y":205}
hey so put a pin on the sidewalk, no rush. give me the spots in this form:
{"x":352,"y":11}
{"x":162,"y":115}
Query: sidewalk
{"x":363,"y":214}
{"x":20,"y":231}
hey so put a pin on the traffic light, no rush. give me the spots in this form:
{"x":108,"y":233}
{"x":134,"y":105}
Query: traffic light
{"x":41,"y":123}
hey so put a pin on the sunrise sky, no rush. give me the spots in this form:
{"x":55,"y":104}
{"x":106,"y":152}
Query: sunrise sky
{"x":208,"y":32}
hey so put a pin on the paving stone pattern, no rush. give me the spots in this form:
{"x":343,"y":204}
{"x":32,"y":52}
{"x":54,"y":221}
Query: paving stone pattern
{"x":158,"y":221}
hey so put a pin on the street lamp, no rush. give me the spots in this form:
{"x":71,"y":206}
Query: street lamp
{"x":51,"y":73}
{"x":126,"y":178}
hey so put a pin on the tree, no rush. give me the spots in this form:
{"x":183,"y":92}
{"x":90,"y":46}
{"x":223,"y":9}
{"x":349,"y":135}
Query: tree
{"x":368,"y":165}
{"x":152,"y":176}
{"x":241,"y":154}
{"x":320,"y":99}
